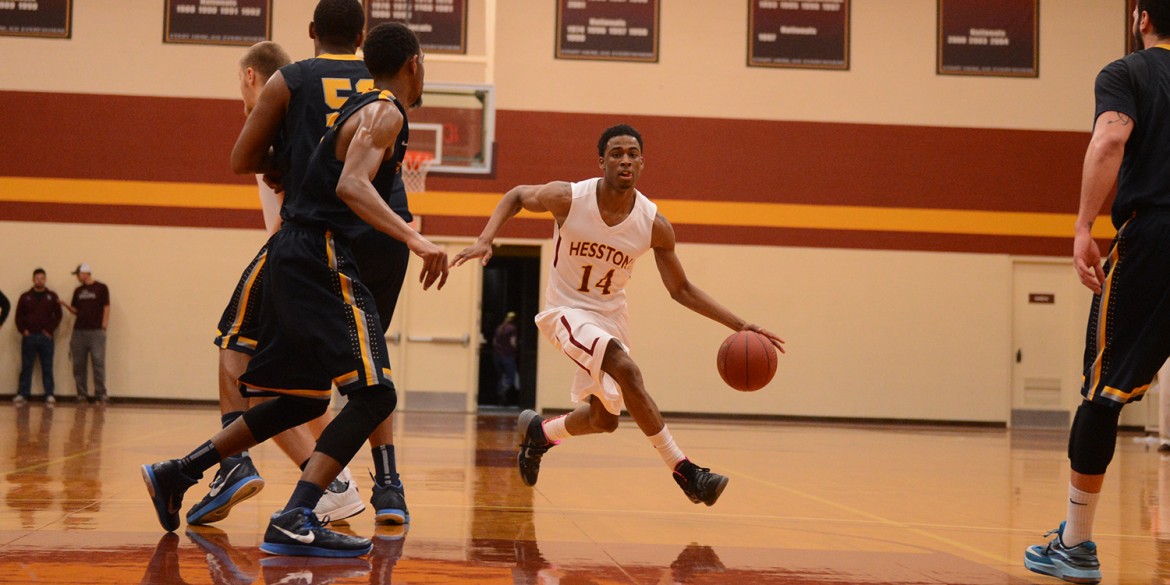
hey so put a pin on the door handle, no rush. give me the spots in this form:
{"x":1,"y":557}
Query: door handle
{"x":395,"y":338}
{"x":465,"y":340}
{"x":1019,"y":355}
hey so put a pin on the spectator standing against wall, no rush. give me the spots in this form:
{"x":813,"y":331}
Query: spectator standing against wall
{"x":38,"y":313}
{"x":504,"y":356}
{"x":91,"y":306}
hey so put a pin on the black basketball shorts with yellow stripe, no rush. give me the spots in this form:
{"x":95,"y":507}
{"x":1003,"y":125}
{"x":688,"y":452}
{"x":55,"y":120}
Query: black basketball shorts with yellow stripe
{"x":1128,"y":333}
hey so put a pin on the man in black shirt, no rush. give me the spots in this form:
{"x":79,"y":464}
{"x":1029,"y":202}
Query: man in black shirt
{"x":1128,"y":335}
{"x":91,"y":305}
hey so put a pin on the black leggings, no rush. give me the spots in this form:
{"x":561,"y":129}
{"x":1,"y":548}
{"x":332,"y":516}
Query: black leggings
{"x":1093,"y":438}
{"x":272,"y":417}
{"x":366,"y":409}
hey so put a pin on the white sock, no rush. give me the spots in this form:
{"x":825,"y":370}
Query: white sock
{"x":664,"y":444}
{"x":1078,"y":527}
{"x":554,"y":429}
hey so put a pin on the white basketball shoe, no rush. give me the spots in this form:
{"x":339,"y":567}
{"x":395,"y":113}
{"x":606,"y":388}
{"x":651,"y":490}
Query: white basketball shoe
{"x":341,"y":499}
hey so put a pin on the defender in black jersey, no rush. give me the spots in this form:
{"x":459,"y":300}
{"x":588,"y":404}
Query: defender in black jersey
{"x":301,"y":102}
{"x":1128,"y":335}
{"x":285,"y":122}
{"x":339,"y":325}
{"x":318,"y":225}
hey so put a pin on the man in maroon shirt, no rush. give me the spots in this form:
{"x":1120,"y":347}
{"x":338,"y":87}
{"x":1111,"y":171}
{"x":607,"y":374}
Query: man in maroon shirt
{"x":37,"y":316}
{"x":91,"y":305}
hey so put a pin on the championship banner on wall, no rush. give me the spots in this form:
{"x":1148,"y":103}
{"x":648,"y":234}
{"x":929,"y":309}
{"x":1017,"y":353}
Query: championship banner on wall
{"x":812,"y":35}
{"x":218,"y":22}
{"x":989,"y":37}
{"x":441,"y":25}
{"x":42,"y":18}
{"x":607,"y":31}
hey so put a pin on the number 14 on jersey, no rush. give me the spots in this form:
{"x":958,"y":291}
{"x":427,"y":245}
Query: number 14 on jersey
{"x":604,"y":283}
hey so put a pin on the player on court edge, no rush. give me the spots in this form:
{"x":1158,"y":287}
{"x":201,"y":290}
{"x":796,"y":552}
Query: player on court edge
{"x":1128,"y":333}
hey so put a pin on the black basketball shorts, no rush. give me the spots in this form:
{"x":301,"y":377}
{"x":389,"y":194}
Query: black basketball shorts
{"x":382,"y":262}
{"x":1128,"y":333}
{"x":239,"y":326}
{"x":319,"y":324}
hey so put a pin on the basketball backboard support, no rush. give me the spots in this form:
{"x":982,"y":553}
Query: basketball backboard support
{"x":456,"y":122}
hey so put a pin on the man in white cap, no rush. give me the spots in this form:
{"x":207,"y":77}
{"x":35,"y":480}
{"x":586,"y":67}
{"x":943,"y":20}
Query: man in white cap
{"x":91,"y":306}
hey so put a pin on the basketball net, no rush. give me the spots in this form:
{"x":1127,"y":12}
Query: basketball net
{"x":414,"y":171}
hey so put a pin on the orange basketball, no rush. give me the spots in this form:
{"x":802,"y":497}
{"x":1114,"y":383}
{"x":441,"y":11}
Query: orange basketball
{"x":747,"y":361}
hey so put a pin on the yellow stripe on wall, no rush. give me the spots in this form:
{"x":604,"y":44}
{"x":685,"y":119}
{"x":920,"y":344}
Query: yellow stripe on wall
{"x":149,"y":193}
{"x":460,"y":204}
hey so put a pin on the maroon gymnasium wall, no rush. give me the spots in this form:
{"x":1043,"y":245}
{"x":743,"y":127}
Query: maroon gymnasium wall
{"x":873,"y":167}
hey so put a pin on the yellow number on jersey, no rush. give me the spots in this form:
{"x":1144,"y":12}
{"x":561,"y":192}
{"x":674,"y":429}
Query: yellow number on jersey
{"x":337,"y":90}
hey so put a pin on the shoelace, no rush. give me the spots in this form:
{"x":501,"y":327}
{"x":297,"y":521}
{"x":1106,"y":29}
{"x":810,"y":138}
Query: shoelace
{"x":312,"y":522}
{"x":540,"y":449}
{"x":694,"y":475}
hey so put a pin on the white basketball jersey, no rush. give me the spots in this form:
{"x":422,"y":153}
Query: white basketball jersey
{"x":592,"y":261}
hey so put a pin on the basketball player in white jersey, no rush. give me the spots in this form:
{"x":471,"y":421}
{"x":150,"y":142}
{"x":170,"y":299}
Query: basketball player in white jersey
{"x":602,"y":226}
{"x":259,"y":63}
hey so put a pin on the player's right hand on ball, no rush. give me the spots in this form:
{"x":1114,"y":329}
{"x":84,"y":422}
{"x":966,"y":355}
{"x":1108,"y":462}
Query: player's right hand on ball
{"x":434,"y":262}
{"x":476,"y":250}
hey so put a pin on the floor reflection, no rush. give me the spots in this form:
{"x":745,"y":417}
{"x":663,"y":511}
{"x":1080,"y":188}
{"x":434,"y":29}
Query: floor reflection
{"x":226,"y":564}
{"x":74,"y":509}
{"x":163,"y":566}
{"x":29,"y":479}
{"x":82,"y":466}
{"x":38,"y":466}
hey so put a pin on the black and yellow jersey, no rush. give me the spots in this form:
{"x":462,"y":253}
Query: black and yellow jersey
{"x":318,"y":87}
{"x":318,"y":204}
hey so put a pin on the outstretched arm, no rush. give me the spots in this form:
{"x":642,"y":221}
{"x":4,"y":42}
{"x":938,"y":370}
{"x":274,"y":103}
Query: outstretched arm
{"x":555,"y":197}
{"x":687,"y":294}
{"x":1102,"y":161}
{"x":371,"y":134}
{"x":252,"y":153}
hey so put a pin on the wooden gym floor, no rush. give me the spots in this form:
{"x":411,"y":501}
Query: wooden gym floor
{"x":806,"y":504}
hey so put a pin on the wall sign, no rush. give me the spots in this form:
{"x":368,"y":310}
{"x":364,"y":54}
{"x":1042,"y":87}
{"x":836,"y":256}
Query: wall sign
{"x":218,"y":22}
{"x":42,"y":18}
{"x":792,"y":33}
{"x":1130,"y":41}
{"x":989,"y":37}
{"x":441,"y":25}
{"x":625,"y":30}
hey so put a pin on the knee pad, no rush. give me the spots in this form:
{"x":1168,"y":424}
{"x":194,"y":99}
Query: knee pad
{"x":366,"y":409}
{"x":270,"y":418}
{"x":1093,"y":438}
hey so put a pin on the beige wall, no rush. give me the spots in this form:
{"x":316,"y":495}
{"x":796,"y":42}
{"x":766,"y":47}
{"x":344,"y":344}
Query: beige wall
{"x":871,"y":333}
{"x":891,"y":79}
{"x":167,"y":288}
{"x":116,"y":49}
{"x":868,"y":335}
